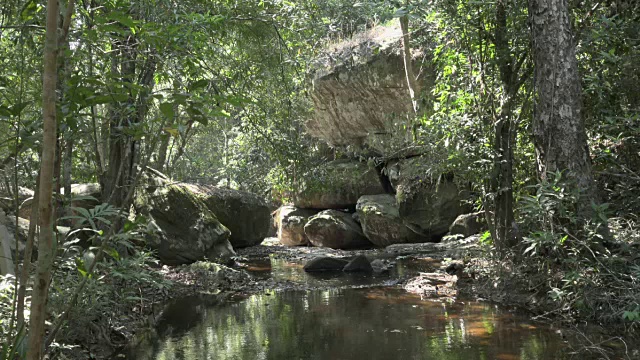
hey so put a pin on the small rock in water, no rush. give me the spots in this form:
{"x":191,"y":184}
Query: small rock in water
{"x":358,"y":263}
{"x":325,"y":263}
{"x":379,"y":266}
{"x":455,"y":268}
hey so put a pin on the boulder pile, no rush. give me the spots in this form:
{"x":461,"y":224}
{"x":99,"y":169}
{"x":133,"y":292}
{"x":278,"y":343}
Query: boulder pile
{"x":347,"y":207}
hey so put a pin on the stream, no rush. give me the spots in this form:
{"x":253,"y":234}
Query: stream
{"x":344,"y":316}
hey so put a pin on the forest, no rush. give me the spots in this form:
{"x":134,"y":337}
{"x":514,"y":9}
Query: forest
{"x":147,"y":148}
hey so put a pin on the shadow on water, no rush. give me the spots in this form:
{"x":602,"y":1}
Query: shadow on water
{"x":373,"y":322}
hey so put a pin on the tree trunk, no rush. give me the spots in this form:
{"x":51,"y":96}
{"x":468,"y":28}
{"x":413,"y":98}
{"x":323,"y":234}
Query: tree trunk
{"x":412,"y":82}
{"x":502,"y":179}
{"x":46,"y":244}
{"x":559,"y":133}
{"x":67,"y":163}
{"x":28,"y":252}
{"x":121,"y":169}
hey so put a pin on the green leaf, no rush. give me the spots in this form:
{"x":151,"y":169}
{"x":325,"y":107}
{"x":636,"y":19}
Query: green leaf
{"x":167,"y":110}
{"x":199,"y":84}
{"x":122,"y":18}
{"x":17,"y":108}
{"x":5,"y":111}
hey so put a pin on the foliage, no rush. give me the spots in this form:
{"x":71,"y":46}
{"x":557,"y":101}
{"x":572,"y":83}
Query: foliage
{"x":580,"y":275}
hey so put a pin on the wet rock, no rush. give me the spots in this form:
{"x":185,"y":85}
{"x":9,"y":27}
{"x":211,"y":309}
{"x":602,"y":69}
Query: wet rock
{"x":325,"y":263}
{"x":428,"y":202}
{"x":290,"y":222}
{"x":184,"y":229}
{"x":359,"y":263}
{"x":337,"y":185}
{"x":449,"y":248}
{"x":381,"y":222}
{"x":246,"y":215}
{"x":455,"y":268}
{"x":335,"y":229}
{"x":468,"y":224}
{"x":380,"y":266}
{"x":433,"y":285}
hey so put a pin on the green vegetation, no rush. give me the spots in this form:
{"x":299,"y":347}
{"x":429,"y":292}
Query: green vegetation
{"x":218,"y":93}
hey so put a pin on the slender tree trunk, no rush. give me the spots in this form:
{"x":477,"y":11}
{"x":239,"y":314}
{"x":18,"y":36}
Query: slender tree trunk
{"x":161,"y":160}
{"x":28,"y":251}
{"x":67,"y":163}
{"x":412,"y":82}
{"x":502,"y":179}
{"x":121,"y":169}
{"x":46,"y":244}
{"x":559,"y":133}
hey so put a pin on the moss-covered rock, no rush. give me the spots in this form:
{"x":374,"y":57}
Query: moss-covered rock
{"x":338,"y":185}
{"x":381,"y":222}
{"x":185,"y":230}
{"x":246,"y":215}
{"x":426,"y":200}
{"x":335,"y":229}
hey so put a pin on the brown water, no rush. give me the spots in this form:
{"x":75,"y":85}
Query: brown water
{"x":379,"y":322}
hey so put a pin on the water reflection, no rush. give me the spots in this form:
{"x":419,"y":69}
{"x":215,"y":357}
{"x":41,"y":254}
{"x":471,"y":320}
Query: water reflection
{"x":371,"y":323}
{"x":281,"y":270}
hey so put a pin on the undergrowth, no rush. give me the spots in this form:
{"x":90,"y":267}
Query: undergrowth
{"x":570,"y":267}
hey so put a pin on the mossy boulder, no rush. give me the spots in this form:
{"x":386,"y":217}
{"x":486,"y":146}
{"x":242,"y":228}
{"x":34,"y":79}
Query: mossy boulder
{"x":381,"y":222}
{"x":184,"y":229}
{"x":246,"y":215}
{"x":335,"y":229}
{"x":290,"y":222}
{"x":338,"y":185}
{"x":428,"y":201}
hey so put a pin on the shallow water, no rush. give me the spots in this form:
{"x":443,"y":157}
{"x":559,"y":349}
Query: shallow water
{"x":373,"y":322}
{"x":284,"y":271}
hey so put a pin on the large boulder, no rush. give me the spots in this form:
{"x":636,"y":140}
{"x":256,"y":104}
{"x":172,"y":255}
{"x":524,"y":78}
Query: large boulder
{"x":290,"y":222}
{"x":428,"y":202}
{"x":335,"y":229}
{"x":7,"y":200}
{"x":381,"y":222}
{"x":468,"y":224}
{"x":338,"y":185}
{"x":246,"y":215}
{"x":21,"y":234}
{"x":360,"y":92}
{"x":84,"y":196}
{"x":184,"y":229}
{"x":6,"y":263}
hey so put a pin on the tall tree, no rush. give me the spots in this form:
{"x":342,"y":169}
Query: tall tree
{"x":512,"y":77}
{"x":559,"y":132}
{"x":46,"y":243}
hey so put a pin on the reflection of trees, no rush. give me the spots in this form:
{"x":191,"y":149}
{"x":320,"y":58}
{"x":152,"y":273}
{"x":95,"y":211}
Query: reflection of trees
{"x":352,"y":324}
